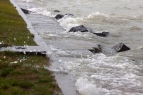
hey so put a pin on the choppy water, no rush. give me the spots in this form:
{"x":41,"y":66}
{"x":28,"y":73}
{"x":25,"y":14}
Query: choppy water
{"x":120,"y":74}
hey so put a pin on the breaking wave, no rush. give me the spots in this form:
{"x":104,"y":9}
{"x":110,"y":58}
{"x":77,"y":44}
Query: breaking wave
{"x":102,"y":75}
{"x":41,"y":11}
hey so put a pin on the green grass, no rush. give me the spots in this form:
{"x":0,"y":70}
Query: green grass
{"x":13,"y":29}
{"x":21,"y":74}
{"x":23,"y":77}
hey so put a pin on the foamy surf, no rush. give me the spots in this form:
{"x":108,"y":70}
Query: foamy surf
{"x":41,"y":11}
{"x":28,"y":0}
{"x":102,"y":75}
{"x":99,"y":74}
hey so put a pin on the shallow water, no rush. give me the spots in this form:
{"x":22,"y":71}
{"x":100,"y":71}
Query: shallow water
{"x":99,"y":74}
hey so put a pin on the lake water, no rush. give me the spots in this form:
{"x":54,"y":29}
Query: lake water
{"x":99,"y":74}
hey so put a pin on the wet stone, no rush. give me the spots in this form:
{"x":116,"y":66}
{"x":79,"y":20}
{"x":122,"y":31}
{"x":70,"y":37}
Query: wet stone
{"x":68,"y":14}
{"x":59,"y":16}
{"x":56,"y":11}
{"x":97,"y":49}
{"x":80,"y":28}
{"x":120,"y":47}
{"x":25,"y":11}
{"x":103,"y":34}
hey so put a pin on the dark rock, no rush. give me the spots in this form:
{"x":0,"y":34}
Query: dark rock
{"x":80,"y":28}
{"x":103,"y":34}
{"x":96,"y":49}
{"x":56,"y":11}
{"x":39,"y":53}
{"x":59,"y":16}
{"x":68,"y":14}
{"x":25,"y":11}
{"x":20,"y":47}
{"x":120,"y":47}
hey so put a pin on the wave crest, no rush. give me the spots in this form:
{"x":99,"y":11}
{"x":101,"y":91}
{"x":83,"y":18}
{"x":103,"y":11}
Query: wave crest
{"x":42,"y":11}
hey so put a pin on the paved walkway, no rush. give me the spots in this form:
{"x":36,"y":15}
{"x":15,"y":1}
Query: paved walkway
{"x":37,"y":24}
{"x":35,"y":50}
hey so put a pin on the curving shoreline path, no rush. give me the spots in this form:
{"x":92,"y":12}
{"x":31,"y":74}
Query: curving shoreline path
{"x":36,"y":24}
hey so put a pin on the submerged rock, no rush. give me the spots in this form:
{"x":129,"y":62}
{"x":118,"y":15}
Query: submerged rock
{"x":103,"y":34}
{"x":56,"y":11}
{"x":96,"y":49}
{"x":25,"y":11}
{"x":80,"y":28}
{"x":110,"y":51}
{"x":68,"y":14}
{"x":120,"y":47}
{"x":59,"y":16}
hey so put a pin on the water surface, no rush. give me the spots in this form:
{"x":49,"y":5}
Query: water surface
{"x":99,"y":74}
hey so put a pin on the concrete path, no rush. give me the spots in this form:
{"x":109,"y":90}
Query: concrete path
{"x":35,"y":50}
{"x":38,"y":24}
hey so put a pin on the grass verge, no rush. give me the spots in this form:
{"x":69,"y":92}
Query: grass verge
{"x":12,"y":27}
{"x":21,"y":74}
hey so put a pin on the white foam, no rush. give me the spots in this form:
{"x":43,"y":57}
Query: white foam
{"x":140,"y":47}
{"x":94,"y":21}
{"x":28,"y":0}
{"x":57,"y":70}
{"x":68,"y":22}
{"x":95,"y":14}
{"x":85,"y":87}
{"x":42,"y":11}
{"x":102,"y":75}
{"x":53,"y":48}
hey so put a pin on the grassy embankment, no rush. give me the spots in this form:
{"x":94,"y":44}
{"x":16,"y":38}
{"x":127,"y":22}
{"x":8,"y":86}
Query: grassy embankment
{"x":21,"y":74}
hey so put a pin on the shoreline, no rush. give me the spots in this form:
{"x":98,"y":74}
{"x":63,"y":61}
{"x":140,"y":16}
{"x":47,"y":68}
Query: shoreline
{"x":68,"y":86}
{"x":22,"y":73}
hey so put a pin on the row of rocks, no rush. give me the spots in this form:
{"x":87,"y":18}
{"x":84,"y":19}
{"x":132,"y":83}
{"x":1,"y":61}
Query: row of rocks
{"x":81,"y":28}
{"x":117,"y":48}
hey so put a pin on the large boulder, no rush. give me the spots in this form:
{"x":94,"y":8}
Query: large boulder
{"x":25,"y":11}
{"x":80,"y":28}
{"x":120,"y":47}
{"x":59,"y":16}
{"x":103,"y":34}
